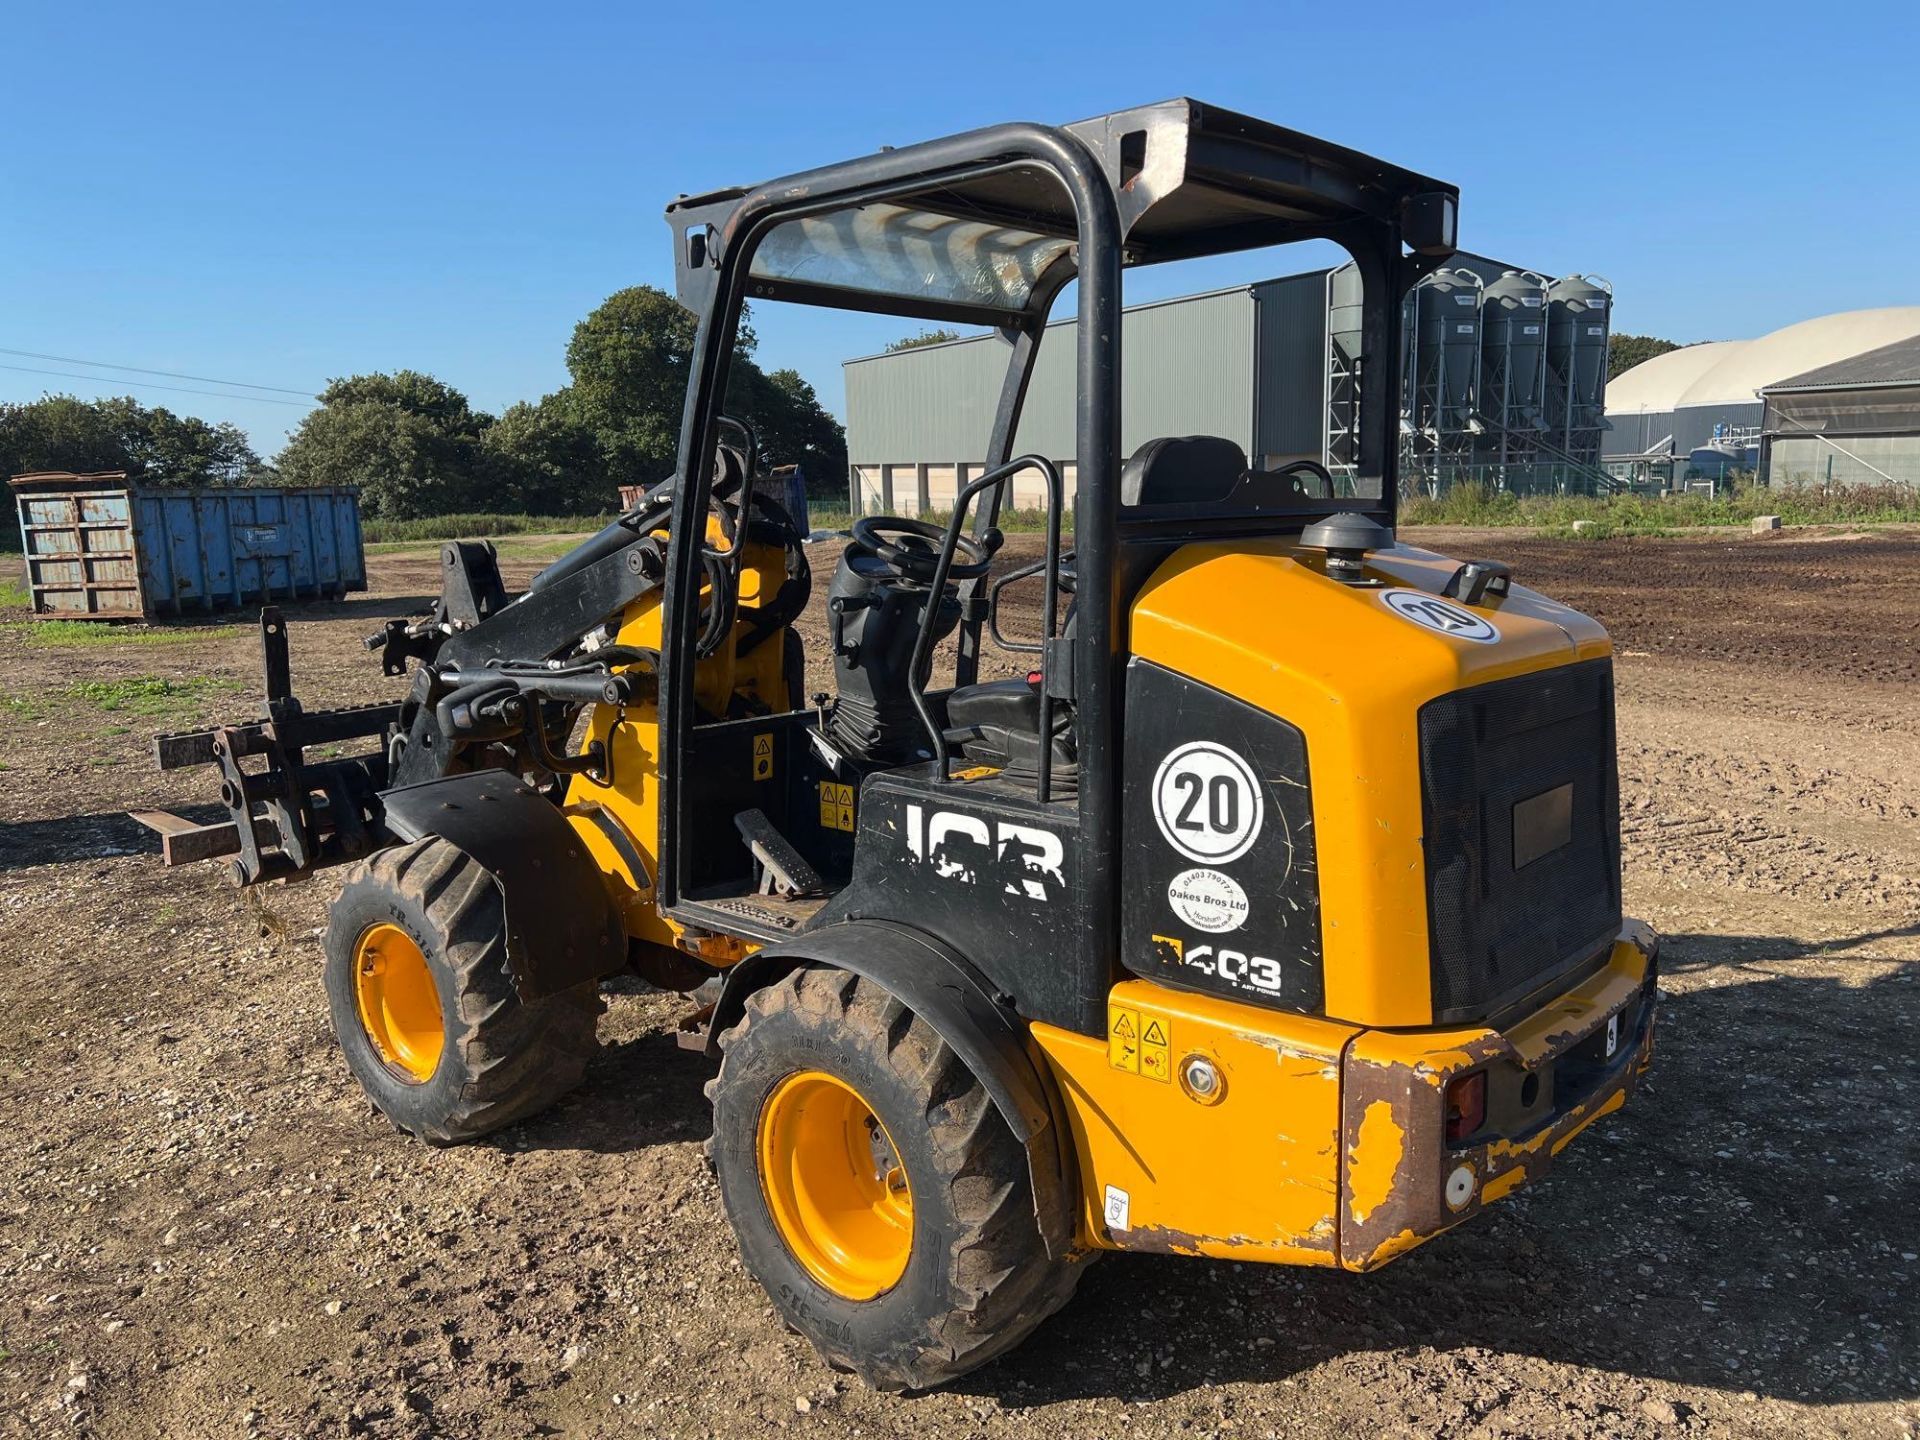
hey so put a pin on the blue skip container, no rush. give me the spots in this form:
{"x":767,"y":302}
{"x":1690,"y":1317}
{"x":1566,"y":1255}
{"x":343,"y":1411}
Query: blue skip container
{"x":98,"y":548}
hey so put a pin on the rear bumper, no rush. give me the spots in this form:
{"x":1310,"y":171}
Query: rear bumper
{"x":1548,"y":1077}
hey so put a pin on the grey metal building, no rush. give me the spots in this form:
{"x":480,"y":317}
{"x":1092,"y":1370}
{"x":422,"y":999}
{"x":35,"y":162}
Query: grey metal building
{"x":1269,"y":365}
{"x":1854,"y":422}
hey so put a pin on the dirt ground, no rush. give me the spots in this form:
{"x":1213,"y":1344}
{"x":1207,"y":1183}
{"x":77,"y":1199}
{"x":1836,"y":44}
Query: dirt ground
{"x":204,"y":1230}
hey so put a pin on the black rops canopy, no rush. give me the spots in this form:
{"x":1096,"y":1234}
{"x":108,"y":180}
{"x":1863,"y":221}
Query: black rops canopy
{"x":979,"y":242}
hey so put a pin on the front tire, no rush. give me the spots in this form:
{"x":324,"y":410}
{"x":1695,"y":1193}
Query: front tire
{"x":423,"y":1003}
{"x":876,"y":1191}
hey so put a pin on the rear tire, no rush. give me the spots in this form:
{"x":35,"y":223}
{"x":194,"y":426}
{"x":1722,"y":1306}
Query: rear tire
{"x":497,"y":1059}
{"x":977,"y":1279}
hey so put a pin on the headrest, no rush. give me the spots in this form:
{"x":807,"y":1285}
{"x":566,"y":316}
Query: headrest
{"x":1182,"y":470}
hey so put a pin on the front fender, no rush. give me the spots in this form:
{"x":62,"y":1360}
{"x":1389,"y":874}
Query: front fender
{"x":939,"y":985}
{"x":562,"y":928}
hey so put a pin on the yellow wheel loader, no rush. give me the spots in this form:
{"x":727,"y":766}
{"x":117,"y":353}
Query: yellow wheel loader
{"x":1272,"y":915}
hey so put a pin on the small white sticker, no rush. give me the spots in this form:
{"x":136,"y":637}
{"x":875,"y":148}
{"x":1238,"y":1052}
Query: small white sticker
{"x":1117,"y":1207}
{"x":1613,"y":1035}
{"x":1441,"y":616}
{"x":1208,"y":900}
{"x":1208,"y":802}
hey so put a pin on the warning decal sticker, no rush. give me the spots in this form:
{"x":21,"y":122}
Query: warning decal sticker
{"x":763,"y":757}
{"x":836,"y":806}
{"x":1123,"y":1038}
{"x":1156,"y":1054}
{"x":1139,"y":1045}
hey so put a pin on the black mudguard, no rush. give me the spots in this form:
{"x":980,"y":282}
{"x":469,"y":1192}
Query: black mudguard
{"x":938,"y":984}
{"x":562,"y":928}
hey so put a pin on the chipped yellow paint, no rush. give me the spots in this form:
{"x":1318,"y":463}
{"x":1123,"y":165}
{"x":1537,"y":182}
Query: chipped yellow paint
{"x":1584,"y":1008}
{"x":1502,"y":1184}
{"x":1612,"y":1103}
{"x":1358,"y":704}
{"x":1375,"y":1160}
{"x":1393,"y":1246}
{"x":1255,"y":1177}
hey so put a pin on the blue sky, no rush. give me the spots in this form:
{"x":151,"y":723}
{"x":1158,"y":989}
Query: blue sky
{"x":284,"y":193}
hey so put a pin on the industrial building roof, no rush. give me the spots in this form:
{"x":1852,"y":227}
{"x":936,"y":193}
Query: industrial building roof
{"x":1734,"y":372}
{"x":1895,"y":364}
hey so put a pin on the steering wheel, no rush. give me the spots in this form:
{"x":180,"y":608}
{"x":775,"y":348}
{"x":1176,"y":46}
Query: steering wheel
{"x":1292,"y":472}
{"x":911,"y":548}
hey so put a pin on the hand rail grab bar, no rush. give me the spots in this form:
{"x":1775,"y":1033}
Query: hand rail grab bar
{"x":923,"y":645}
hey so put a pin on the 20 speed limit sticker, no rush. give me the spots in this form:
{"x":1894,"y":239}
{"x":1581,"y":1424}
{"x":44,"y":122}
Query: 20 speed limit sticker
{"x":1441,"y":616}
{"x":1208,"y":802}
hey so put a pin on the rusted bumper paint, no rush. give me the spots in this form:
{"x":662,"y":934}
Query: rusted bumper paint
{"x":1395,"y":1156}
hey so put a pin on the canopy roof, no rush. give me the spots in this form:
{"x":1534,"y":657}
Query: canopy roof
{"x":976,"y":240}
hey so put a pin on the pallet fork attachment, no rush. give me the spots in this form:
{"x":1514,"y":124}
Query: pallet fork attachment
{"x":287,"y":816}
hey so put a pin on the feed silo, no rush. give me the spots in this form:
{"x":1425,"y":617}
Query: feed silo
{"x":1513,"y":364}
{"x":1443,"y":351}
{"x":1578,"y":313}
{"x":1442,"y":328}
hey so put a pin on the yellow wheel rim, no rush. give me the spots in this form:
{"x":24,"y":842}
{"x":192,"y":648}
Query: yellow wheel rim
{"x":399,"y":1006}
{"x":835,"y":1186}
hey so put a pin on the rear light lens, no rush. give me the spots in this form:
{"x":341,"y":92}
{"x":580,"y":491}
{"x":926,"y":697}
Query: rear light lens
{"x":1466,"y":1105}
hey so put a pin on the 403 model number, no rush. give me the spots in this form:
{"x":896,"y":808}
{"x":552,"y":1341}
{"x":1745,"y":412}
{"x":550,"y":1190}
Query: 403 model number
{"x":1236,"y":967}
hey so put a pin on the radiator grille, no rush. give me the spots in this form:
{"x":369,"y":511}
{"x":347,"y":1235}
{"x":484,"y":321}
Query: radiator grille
{"x":1505,"y":920}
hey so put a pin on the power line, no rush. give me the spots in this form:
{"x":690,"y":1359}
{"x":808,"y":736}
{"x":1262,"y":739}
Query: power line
{"x":149,"y":385}
{"x":138,"y":370}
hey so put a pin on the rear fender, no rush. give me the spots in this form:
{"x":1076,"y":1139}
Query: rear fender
{"x":942,"y":988}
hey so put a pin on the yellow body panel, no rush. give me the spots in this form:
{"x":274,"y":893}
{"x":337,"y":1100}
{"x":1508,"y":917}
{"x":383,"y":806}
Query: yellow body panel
{"x":1327,"y":1145}
{"x":631,"y":799}
{"x":1261,"y":621}
{"x":1251,"y":1176}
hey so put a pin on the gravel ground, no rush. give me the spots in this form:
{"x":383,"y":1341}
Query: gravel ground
{"x":204,"y":1230}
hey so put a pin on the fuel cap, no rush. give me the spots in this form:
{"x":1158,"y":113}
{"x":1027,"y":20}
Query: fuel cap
{"x":1346,"y":538}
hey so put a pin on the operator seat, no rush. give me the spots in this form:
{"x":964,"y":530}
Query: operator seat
{"x":997,"y":722}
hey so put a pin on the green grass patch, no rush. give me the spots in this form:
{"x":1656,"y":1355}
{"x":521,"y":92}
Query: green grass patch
{"x":1475,"y":503}
{"x":380,"y":534}
{"x":13,"y":595}
{"x":150,"y":695}
{"x":93,"y":634}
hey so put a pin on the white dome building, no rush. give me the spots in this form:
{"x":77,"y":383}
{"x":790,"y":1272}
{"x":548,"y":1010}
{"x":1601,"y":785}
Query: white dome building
{"x":1673,"y":403}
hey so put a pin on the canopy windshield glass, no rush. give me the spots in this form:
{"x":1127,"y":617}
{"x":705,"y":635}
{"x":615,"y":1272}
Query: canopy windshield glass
{"x":911,"y":254}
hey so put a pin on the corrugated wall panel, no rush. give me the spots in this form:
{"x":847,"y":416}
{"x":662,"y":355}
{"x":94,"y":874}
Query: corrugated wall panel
{"x":934,"y":403}
{"x":1690,"y":428}
{"x":1188,"y":370}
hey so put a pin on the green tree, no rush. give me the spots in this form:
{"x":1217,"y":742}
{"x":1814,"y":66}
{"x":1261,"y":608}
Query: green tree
{"x":925,"y":337}
{"x":432,"y":400}
{"x":410,"y":442}
{"x":795,"y":429}
{"x":1626,"y":351}
{"x":165,"y":448}
{"x":153,"y":445}
{"x":59,"y":432}
{"x":629,"y":360}
{"x":546,"y":461}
